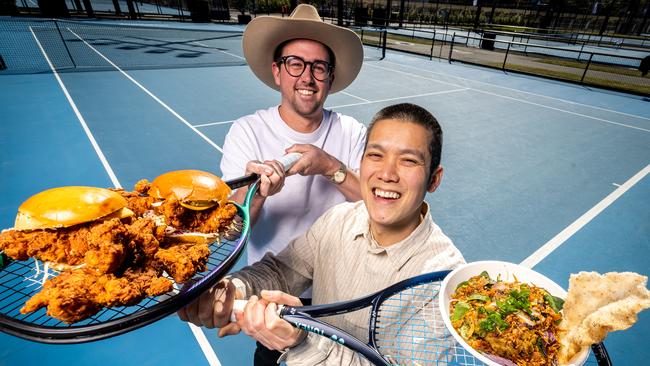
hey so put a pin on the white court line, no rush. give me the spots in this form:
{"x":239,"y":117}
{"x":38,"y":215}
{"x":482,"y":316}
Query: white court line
{"x":583,"y":220}
{"x":204,"y":137}
{"x":198,"y":333}
{"x":515,"y":99}
{"x":227,"y":53}
{"x":356,"y":104}
{"x":208,"y":351}
{"x":81,"y":119}
{"x":526,"y":92}
{"x":365,"y":101}
{"x":354,"y":96}
{"x":398,"y":98}
{"x":214,"y":123}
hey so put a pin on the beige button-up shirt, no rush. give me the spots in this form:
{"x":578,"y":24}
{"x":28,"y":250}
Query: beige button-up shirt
{"x":341,"y":260}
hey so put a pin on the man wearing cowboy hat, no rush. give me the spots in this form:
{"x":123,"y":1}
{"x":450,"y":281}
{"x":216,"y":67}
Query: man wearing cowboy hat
{"x":304,"y":59}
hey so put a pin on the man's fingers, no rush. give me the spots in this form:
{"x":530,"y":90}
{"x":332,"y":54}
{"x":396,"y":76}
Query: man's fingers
{"x":257,"y":167}
{"x":230,"y":329}
{"x":280,"y":297}
{"x":205,"y":308}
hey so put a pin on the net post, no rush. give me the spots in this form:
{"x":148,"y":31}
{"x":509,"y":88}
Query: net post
{"x":65,"y":44}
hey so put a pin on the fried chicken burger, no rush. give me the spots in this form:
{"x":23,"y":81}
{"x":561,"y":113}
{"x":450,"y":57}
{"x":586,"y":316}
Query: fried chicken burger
{"x":192,"y":203}
{"x":70,"y":226}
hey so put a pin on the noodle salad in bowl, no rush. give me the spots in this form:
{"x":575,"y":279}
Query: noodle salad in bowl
{"x":505,"y":314}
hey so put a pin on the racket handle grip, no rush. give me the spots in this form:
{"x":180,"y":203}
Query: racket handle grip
{"x":239,"y":306}
{"x":288,"y":160}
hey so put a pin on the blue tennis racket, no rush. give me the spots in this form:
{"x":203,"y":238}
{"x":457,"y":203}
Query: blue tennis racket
{"x":405,"y":326}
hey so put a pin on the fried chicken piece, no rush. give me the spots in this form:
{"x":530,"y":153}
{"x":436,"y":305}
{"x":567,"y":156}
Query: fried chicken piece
{"x":15,"y":244}
{"x":64,"y":245}
{"x":67,"y":297}
{"x":110,"y":291}
{"x":138,"y":201}
{"x":146,"y":235}
{"x":78,"y":294}
{"x":142,"y":186}
{"x":106,"y":252}
{"x":106,"y":259}
{"x":218,"y":219}
{"x":46,"y":245}
{"x":212,"y":220}
{"x":183,"y":261}
{"x":148,"y":280}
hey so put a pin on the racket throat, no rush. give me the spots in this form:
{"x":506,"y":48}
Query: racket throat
{"x":306,"y":323}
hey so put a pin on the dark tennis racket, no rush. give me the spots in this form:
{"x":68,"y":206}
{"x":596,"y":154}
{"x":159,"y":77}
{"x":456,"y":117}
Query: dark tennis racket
{"x":405,"y":325}
{"x":20,"y":280}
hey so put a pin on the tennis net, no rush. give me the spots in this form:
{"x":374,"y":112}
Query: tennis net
{"x":26,"y":45}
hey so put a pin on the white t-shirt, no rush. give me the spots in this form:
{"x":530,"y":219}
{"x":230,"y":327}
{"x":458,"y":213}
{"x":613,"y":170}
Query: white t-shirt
{"x":287,"y":214}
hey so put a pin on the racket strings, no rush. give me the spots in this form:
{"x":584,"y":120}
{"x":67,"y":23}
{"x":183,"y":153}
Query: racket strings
{"x":409,"y":330}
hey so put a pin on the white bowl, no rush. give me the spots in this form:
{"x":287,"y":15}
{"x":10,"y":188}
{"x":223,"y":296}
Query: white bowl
{"x":507,"y":272}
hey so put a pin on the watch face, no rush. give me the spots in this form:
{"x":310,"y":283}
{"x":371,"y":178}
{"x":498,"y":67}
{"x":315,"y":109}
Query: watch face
{"x":339,"y":176}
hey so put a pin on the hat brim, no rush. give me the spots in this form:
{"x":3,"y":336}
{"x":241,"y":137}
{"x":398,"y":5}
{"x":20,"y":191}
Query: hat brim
{"x":264,"y":34}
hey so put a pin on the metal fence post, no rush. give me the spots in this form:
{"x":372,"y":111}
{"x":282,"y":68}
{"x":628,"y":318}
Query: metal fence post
{"x":433,"y":43}
{"x":383,"y":48}
{"x":586,"y":68}
{"x":580,"y":53}
{"x":451,"y":46}
{"x":503,"y":67}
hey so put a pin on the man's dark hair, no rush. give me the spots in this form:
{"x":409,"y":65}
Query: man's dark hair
{"x":408,"y":112}
{"x":278,"y":52}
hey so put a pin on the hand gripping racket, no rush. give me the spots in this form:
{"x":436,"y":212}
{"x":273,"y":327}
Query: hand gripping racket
{"x":20,"y":280}
{"x":405,"y":325}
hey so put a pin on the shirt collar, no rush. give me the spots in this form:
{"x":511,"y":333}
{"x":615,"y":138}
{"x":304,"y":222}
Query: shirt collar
{"x":400,"y":252}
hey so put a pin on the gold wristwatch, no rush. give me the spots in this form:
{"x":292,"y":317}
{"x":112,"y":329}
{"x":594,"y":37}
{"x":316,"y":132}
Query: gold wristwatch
{"x":339,"y":176}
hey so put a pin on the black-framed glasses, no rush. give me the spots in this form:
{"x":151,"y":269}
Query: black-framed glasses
{"x":295,"y":66}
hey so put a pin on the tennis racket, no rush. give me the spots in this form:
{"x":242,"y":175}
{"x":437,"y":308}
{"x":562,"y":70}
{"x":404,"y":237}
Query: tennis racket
{"x":20,"y":280}
{"x":405,"y":325}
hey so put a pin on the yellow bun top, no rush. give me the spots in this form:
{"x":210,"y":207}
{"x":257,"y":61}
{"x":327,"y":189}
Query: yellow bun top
{"x":195,"y":189}
{"x":67,"y":206}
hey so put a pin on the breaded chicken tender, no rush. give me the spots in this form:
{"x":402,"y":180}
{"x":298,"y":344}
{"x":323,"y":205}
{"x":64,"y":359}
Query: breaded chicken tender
{"x":184,"y":260}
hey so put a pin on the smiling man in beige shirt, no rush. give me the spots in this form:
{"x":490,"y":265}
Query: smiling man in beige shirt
{"x":354,"y":249}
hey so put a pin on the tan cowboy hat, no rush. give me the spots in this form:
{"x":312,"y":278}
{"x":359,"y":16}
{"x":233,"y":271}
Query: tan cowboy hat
{"x":265,"y":33}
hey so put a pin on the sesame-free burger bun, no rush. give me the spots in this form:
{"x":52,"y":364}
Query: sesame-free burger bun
{"x":70,"y":205}
{"x":194,"y":189}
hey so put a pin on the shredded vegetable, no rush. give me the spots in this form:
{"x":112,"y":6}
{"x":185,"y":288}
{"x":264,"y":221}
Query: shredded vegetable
{"x":510,"y":320}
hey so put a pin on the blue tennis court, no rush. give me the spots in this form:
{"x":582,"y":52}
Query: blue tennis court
{"x":538,"y":172}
